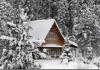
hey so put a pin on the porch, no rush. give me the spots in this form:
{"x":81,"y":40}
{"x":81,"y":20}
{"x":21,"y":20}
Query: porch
{"x":53,"y":50}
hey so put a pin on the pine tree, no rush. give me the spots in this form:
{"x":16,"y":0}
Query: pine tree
{"x":85,"y":29}
{"x":17,"y":53}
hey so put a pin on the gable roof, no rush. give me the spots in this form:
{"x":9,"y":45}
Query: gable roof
{"x":40,"y":28}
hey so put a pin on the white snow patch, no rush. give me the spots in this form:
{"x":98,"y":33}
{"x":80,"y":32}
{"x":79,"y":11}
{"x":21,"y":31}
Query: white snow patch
{"x":40,"y":28}
{"x":2,"y":67}
{"x":52,"y":45}
{"x":71,"y":42}
{"x":7,"y":37}
{"x":96,"y":61}
{"x":56,"y":64}
{"x":80,"y":65}
{"x":11,"y":24}
{"x":43,"y":55}
{"x":40,"y":41}
{"x":45,"y":50}
{"x":85,"y":35}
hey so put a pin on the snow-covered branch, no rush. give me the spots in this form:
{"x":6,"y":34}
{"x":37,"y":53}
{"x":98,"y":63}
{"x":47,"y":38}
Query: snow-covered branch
{"x":7,"y":37}
{"x":11,"y":24}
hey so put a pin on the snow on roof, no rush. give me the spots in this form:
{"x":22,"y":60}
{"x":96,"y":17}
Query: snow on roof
{"x":40,"y":28}
{"x":52,"y":45}
{"x":32,"y":40}
{"x":73,"y":43}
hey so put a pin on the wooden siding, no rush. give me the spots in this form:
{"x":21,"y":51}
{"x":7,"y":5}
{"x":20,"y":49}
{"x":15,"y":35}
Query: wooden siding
{"x":54,"y":36}
{"x":53,"y":52}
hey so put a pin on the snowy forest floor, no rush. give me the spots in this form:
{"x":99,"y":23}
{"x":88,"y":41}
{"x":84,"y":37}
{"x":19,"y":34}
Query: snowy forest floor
{"x":56,"y":64}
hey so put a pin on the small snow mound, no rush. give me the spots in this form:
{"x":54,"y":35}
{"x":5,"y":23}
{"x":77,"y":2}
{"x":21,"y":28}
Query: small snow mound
{"x":65,"y":61}
{"x":42,"y":55}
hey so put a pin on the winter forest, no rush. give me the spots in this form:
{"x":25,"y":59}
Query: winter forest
{"x":78,"y":20}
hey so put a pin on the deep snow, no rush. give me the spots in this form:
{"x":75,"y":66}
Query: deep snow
{"x":56,"y":64}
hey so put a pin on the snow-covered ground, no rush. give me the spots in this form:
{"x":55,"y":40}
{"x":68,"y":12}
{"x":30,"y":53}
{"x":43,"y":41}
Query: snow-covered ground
{"x":56,"y":64}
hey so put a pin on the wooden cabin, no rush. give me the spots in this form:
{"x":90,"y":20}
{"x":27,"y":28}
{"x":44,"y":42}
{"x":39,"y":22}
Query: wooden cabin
{"x":49,"y":31}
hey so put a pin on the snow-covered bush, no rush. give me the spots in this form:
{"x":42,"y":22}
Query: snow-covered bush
{"x":38,"y":55}
{"x":65,"y":61}
{"x":43,"y":55}
{"x":67,"y":55}
{"x":45,"y":50}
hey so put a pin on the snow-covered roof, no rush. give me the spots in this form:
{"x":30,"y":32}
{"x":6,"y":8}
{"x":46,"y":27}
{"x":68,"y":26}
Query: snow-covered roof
{"x":40,"y":28}
{"x":52,"y":45}
{"x":73,"y":43}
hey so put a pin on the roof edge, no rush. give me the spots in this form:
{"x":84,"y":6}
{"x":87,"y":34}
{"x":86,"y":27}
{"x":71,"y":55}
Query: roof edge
{"x":59,"y":30}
